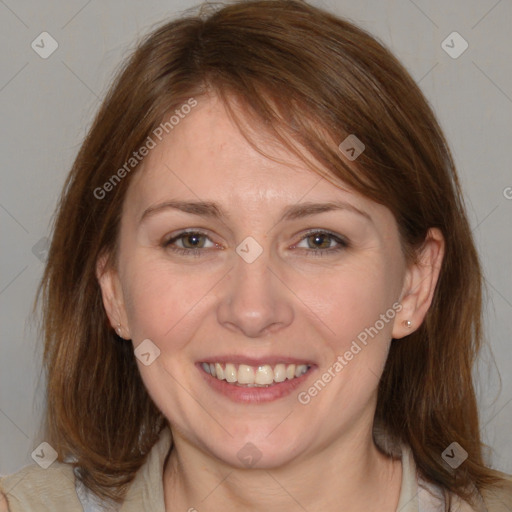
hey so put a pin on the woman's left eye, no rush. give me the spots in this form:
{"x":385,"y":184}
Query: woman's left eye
{"x":320,"y":242}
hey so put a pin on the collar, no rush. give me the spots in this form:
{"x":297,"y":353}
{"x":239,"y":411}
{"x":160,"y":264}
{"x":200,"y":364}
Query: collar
{"x":146,"y":491}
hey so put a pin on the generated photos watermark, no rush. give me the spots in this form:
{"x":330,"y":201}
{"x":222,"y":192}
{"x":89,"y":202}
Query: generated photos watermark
{"x":158,"y":133}
{"x":304,"y":397}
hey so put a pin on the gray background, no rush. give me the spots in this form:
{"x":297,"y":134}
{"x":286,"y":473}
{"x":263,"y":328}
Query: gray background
{"x":47,"y":105}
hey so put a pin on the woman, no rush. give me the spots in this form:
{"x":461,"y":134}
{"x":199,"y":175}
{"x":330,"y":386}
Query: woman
{"x":262,"y":292}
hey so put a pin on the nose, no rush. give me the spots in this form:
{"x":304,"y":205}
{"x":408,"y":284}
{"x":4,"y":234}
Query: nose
{"x":254,"y":300}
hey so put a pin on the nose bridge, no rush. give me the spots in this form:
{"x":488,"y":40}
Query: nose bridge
{"x":254,"y":301}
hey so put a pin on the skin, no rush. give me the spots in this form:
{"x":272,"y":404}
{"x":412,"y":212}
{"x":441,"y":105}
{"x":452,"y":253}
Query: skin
{"x":287,"y":302}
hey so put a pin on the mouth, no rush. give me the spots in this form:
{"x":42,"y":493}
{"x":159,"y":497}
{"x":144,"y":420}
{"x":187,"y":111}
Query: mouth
{"x":263,"y":375}
{"x":255,"y":383}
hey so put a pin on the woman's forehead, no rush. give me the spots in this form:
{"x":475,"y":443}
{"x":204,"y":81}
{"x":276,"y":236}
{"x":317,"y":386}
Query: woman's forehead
{"x":207,"y":155}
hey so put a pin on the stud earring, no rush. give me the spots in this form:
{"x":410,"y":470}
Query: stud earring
{"x":118,"y":329}
{"x":407,"y":323}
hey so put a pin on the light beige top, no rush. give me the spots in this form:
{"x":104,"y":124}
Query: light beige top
{"x":55,"y":489}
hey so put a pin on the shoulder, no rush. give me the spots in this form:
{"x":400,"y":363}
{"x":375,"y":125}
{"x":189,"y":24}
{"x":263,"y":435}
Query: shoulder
{"x":34,"y":488}
{"x":495,"y":498}
{"x":498,"y":498}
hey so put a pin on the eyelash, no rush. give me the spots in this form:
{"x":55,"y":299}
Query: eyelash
{"x":342,"y":244}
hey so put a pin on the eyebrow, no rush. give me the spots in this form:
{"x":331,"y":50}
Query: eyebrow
{"x":213,"y":210}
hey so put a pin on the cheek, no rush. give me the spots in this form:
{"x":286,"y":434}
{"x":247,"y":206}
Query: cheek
{"x":168,"y":303}
{"x":164,"y":302}
{"x":352,"y":299}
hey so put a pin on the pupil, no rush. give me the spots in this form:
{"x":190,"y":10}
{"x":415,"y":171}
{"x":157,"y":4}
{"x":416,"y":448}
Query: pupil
{"x":193,"y":238}
{"x":319,"y":239}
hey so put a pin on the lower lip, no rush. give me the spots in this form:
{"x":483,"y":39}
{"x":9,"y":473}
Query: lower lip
{"x":254,"y":395}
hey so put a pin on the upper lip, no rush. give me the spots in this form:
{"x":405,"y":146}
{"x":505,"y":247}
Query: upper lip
{"x":271,"y":360}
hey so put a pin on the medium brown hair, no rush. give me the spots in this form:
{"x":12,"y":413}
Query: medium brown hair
{"x":310,"y":79}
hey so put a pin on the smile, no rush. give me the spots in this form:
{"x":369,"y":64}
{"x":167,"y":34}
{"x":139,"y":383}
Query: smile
{"x":263,"y":375}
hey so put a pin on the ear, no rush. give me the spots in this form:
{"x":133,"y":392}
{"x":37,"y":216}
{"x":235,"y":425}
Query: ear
{"x":112,"y":295}
{"x":420,"y":283}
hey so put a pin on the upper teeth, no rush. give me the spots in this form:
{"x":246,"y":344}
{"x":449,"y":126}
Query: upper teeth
{"x":262,"y":375}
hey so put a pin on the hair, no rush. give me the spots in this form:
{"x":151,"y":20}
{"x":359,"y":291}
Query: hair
{"x":310,"y":79}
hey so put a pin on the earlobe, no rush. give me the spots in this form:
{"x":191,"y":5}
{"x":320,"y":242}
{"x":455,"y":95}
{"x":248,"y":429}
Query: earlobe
{"x":112,"y":296}
{"x":420,"y":284}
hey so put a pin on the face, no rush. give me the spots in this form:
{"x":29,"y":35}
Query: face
{"x":292,"y":305}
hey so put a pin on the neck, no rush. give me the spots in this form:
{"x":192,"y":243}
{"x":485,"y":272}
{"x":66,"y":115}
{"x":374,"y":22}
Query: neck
{"x":350,"y":474}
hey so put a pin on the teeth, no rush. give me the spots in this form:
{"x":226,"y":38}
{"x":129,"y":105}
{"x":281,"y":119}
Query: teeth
{"x":299,"y":370}
{"x":230,"y":373}
{"x":264,"y":375}
{"x":280,"y":373}
{"x":261,"y":376}
{"x":245,"y":374}
{"x":219,"y":371}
